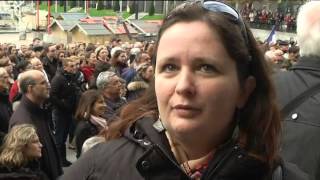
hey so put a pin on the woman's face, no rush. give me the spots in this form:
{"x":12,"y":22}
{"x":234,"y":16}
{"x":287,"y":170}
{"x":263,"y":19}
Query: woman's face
{"x":103,"y":54}
{"x":92,"y":58}
{"x":99,"y":107}
{"x":4,"y":81}
{"x":8,"y":65}
{"x":122,"y":58}
{"x":33,"y":149}
{"x":196,"y":84}
{"x":13,"y":50}
{"x":148,"y":73}
{"x":61,"y":55}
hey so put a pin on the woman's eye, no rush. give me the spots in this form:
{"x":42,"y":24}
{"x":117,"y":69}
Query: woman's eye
{"x":207,"y":68}
{"x":169,"y":68}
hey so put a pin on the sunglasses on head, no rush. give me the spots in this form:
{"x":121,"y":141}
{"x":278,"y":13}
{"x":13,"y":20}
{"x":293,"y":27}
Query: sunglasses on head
{"x":215,"y":6}
{"x":219,"y":7}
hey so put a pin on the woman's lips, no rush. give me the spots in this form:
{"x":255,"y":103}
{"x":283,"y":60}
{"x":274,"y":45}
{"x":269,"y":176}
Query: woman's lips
{"x":186,"y":111}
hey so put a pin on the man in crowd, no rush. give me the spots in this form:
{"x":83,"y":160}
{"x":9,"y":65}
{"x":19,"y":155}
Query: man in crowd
{"x":35,"y":90}
{"x":299,"y":96}
{"x":50,"y":62}
{"x":37,"y":51}
{"x":64,"y":94}
{"x":130,"y":72}
{"x":6,"y":63}
{"x":37,"y":65}
{"x":110,"y":86}
{"x":36,"y":42}
{"x":5,"y":105}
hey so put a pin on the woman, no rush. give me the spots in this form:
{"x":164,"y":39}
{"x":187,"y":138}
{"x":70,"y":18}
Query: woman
{"x":210,"y":114}
{"x":61,"y":54}
{"x":140,"y":81}
{"x":20,"y":153}
{"x":102,"y":54}
{"x":88,"y":68}
{"x":89,"y":114}
{"x":119,"y":62}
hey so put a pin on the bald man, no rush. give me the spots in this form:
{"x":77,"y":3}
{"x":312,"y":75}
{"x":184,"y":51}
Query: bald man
{"x":35,"y":91}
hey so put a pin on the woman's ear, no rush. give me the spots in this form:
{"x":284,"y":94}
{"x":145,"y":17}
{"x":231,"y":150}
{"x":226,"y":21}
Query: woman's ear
{"x":248,"y":88}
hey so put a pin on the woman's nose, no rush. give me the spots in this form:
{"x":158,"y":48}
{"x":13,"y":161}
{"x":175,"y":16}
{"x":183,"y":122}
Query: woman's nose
{"x":185,"y":83}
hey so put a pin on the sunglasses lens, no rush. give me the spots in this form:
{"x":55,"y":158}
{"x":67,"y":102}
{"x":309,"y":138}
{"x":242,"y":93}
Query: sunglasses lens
{"x":220,"y":7}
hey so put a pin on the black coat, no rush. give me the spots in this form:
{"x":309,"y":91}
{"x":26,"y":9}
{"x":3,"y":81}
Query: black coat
{"x":5,"y":112}
{"x":301,"y":130}
{"x":64,"y":92}
{"x":30,"y":113}
{"x":144,"y":153}
{"x":50,"y":66}
{"x":29,"y":172}
{"x":84,"y":130}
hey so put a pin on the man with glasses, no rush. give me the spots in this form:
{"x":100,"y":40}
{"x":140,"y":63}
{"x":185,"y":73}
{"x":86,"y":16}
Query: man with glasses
{"x":110,"y":86}
{"x":35,"y":91}
{"x":64,"y":95}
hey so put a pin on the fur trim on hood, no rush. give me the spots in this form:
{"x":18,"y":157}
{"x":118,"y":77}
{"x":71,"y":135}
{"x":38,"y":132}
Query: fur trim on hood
{"x":136,"y":85}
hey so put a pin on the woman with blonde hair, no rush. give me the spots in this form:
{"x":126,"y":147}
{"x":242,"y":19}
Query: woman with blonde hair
{"x":20,"y":153}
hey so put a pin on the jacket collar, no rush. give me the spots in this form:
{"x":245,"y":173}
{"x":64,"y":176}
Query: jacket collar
{"x":31,"y":106}
{"x":144,"y":129}
{"x":158,"y":155}
{"x":307,"y":63}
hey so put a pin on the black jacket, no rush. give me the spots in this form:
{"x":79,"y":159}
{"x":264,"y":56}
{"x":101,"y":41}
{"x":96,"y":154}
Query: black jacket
{"x":30,"y":113}
{"x":50,"y":66}
{"x":29,"y":172}
{"x":64,"y":92}
{"x":84,"y":130}
{"x":144,"y":153}
{"x":5,"y":112}
{"x":301,"y":130}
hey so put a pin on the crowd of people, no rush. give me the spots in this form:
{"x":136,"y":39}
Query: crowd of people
{"x":208,"y":104}
{"x":266,"y":19}
{"x":69,"y":91}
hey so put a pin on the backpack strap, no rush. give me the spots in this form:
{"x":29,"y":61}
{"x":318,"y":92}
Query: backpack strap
{"x":299,"y":99}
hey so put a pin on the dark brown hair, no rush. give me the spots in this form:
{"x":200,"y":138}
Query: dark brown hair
{"x":116,"y":56}
{"x":86,"y":104}
{"x":259,"y":120}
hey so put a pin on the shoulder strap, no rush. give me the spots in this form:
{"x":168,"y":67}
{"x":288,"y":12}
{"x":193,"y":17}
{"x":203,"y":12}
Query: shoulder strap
{"x":299,"y":99}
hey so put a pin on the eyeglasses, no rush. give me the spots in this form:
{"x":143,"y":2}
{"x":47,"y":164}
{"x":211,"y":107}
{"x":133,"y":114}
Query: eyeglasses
{"x":219,"y":7}
{"x":42,"y":83}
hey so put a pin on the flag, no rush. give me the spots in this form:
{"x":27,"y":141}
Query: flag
{"x":272,"y":36}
